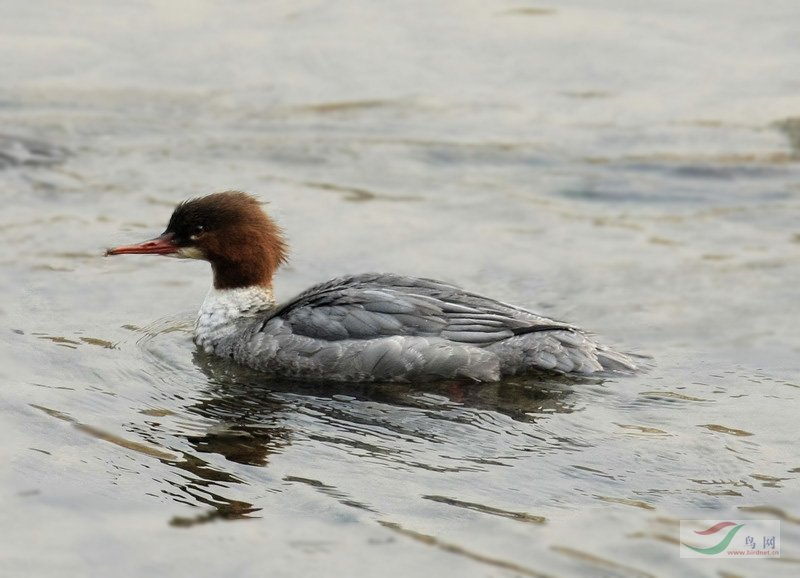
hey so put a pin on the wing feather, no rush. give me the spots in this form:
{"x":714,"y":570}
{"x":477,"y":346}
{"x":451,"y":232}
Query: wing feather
{"x":373,"y":305}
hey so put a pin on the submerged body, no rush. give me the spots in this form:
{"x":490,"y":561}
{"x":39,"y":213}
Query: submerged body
{"x":370,"y":327}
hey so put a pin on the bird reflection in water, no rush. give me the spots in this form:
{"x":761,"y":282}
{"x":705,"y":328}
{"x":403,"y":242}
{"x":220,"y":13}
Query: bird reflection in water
{"x":252,"y":420}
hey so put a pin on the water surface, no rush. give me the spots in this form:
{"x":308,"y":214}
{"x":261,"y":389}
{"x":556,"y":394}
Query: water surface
{"x":633,"y":169}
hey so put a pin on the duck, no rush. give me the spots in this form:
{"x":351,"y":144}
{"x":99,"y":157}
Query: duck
{"x":370,"y":327}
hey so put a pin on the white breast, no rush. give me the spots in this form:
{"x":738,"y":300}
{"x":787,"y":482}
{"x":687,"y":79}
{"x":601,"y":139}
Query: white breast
{"x":222,"y":312}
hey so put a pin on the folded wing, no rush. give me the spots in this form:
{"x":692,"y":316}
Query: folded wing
{"x":373,"y":305}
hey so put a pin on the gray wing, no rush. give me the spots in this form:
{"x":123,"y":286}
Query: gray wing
{"x":375,"y":305}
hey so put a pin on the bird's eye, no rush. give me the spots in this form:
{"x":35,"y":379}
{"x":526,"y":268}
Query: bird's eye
{"x":197,"y":231}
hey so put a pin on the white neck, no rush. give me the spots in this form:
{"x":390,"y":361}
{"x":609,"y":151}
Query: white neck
{"x":222,"y":308}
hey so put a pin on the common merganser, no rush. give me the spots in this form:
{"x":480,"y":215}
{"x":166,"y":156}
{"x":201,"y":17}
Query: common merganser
{"x":369,"y":327}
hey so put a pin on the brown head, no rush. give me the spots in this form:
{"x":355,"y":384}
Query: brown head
{"x":229,"y":230}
